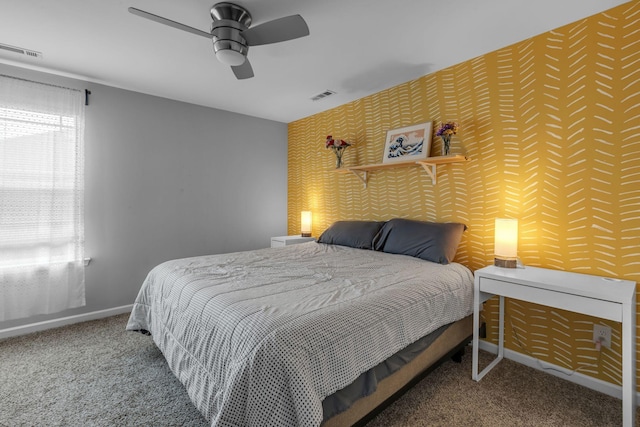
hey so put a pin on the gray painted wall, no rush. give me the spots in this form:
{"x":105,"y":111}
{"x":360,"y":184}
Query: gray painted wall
{"x":164,"y":180}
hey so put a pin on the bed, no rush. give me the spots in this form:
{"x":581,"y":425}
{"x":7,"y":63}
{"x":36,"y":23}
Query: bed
{"x":294,"y":335}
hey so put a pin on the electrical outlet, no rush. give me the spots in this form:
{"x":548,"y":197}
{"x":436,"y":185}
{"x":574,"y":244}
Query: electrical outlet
{"x":602,"y":332}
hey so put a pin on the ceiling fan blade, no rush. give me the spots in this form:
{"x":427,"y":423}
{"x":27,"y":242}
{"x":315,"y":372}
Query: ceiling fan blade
{"x":169,"y":22}
{"x":278,"y":30}
{"x":244,"y":71}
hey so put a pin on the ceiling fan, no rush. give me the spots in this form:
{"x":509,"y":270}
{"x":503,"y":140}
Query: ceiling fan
{"x":232,"y":36}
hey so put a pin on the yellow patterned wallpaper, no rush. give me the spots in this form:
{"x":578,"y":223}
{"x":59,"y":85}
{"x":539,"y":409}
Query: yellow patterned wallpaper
{"x":552,"y":127}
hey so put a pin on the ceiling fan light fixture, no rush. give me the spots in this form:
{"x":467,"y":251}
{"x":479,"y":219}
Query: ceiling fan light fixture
{"x":230,"y":52}
{"x":230,"y":57}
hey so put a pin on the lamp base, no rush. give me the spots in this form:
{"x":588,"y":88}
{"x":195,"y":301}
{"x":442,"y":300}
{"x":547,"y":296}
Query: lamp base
{"x":505,"y":262}
{"x":305,"y":234}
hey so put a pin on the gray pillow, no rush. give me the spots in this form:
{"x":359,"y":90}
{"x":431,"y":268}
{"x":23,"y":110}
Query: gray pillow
{"x":355,"y":234}
{"x":431,"y":241}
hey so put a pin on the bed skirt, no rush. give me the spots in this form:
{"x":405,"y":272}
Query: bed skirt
{"x":455,"y":336}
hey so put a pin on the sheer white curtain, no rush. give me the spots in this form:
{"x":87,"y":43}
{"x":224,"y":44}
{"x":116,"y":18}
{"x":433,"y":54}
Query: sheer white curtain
{"x":41,"y":198}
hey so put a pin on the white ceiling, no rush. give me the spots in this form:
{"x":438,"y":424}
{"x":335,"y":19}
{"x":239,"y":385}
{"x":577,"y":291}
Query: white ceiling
{"x":356,"y":47}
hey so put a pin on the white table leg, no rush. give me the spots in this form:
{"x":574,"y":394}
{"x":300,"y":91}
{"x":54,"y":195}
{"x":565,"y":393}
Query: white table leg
{"x":501,"y":329}
{"x":476,"y":327}
{"x":628,"y":364}
{"x":474,"y":374}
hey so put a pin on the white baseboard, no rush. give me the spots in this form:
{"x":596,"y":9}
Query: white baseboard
{"x":63,"y":321}
{"x":558,"y":371}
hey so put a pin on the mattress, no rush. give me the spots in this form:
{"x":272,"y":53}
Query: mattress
{"x":260,"y":338}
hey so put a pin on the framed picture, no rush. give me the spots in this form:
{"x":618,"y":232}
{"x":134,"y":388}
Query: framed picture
{"x":408,"y":143}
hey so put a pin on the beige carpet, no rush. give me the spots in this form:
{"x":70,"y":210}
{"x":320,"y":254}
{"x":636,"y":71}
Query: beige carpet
{"x":97,"y":374}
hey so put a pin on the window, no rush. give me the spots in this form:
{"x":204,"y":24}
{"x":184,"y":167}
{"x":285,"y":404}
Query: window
{"x":41,"y":198}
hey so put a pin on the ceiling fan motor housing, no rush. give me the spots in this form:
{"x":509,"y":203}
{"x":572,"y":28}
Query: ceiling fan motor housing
{"x":229,"y":20}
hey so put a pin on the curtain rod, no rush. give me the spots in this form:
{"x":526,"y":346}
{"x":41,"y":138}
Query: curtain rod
{"x":87,"y":92}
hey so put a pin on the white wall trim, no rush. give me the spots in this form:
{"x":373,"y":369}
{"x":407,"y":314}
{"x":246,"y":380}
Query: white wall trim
{"x":560,"y":372}
{"x":63,"y":321}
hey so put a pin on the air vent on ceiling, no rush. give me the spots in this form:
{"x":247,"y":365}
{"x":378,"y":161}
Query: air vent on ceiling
{"x":21,"y":51}
{"x":323,"y":95}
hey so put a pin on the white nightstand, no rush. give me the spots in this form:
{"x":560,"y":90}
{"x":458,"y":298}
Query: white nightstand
{"x":277,"y":242}
{"x":602,"y":297}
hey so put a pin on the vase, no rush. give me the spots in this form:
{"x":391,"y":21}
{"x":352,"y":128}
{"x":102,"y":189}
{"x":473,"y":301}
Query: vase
{"x":446,"y":144}
{"x":339,"y":151}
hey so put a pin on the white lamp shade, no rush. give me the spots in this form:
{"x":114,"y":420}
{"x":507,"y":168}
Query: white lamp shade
{"x":305,"y":223}
{"x":506,"y":238}
{"x":230,"y":57}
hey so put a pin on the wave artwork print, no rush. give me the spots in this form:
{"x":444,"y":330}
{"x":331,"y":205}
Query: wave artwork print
{"x":408,"y":144}
{"x":405,"y":145}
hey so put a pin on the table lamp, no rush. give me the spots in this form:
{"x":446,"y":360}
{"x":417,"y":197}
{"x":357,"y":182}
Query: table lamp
{"x":305,"y":223}
{"x":506,"y":243}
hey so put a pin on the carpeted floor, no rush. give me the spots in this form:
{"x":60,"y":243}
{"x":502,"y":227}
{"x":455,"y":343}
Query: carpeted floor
{"x":97,"y":374}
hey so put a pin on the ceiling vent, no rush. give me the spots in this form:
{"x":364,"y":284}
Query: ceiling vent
{"x":20,"y":51}
{"x":323,"y":95}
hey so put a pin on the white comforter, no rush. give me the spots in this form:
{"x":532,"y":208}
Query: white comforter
{"x":260,"y":338}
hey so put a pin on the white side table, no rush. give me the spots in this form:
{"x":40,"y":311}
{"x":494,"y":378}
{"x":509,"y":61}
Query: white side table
{"x":279,"y":241}
{"x":602,"y":297}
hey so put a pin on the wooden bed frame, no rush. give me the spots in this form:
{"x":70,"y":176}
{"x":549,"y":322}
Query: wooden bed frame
{"x":449,"y":344}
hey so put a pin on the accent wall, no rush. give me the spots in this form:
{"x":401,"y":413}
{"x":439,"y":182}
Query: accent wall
{"x":551,"y":126}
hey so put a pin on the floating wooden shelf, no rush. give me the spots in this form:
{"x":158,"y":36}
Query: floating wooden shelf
{"x":429,"y":165}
